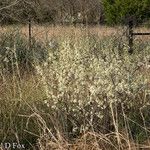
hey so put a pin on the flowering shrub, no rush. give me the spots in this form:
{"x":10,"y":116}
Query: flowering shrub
{"x":89,"y":78}
{"x":82,"y":87}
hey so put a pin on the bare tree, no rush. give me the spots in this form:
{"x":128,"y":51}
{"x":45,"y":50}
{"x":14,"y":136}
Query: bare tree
{"x":54,"y":11}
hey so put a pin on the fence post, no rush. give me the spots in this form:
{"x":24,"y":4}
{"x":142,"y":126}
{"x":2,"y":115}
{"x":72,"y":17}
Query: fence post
{"x":30,"y":34}
{"x":130,"y":37}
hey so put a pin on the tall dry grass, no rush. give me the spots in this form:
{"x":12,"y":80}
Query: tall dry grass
{"x":88,"y":93}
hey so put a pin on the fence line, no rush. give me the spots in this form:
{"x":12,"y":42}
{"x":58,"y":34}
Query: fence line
{"x":131,"y":35}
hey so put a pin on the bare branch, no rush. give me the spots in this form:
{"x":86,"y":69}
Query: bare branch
{"x":11,"y":5}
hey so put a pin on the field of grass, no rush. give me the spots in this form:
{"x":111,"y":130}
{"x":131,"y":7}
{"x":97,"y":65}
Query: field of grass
{"x":74,"y":89}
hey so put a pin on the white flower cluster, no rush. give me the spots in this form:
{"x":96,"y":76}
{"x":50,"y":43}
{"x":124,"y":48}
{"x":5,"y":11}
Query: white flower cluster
{"x":79,"y":78}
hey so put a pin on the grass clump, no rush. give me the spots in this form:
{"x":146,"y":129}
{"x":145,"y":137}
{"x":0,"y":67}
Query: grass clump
{"x":15,"y":51}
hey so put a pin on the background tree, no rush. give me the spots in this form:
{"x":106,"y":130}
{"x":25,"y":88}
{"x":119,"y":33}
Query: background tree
{"x":117,"y":11}
{"x":52,"y":11}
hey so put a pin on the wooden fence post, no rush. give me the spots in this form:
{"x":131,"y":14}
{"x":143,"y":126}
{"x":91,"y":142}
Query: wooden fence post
{"x":30,"y":34}
{"x":130,"y":37}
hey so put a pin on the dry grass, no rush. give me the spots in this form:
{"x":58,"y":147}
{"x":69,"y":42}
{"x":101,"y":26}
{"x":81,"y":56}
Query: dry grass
{"x":85,"y":96}
{"x":44,"y":32}
{"x":40,"y":31}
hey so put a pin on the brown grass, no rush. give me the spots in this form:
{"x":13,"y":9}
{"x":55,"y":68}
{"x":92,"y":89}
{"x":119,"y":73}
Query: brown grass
{"x":32,"y":91}
{"x":43,"y":32}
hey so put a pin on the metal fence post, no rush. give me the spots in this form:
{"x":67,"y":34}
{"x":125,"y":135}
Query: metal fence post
{"x":130,"y":37}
